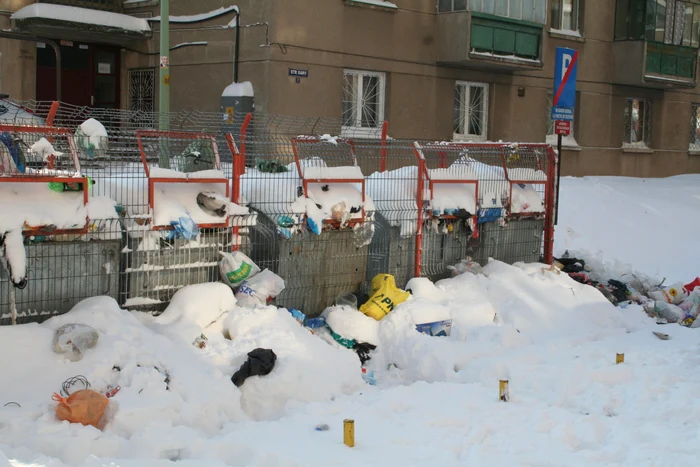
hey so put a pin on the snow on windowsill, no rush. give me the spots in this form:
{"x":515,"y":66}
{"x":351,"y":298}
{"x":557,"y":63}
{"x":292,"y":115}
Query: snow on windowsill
{"x":82,"y":16}
{"x":188,"y":44}
{"x":639,"y":148}
{"x":200,"y":17}
{"x":693,"y":151}
{"x":376,"y":3}
{"x":567,"y":34}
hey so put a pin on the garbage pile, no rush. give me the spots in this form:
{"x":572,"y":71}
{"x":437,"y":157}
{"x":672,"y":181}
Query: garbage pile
{"x":252,"y":286}
{"x":676,"y":303}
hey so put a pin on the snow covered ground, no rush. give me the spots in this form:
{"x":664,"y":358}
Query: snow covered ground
{"x":554,"y":339}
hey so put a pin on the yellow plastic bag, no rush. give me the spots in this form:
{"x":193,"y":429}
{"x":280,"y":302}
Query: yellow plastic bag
{"x":384,"y":296}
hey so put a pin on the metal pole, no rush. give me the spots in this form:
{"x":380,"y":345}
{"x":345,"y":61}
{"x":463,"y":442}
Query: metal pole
{"x":164,"y":85}
{"x":556,"y":216}
{"x":236,"y":46}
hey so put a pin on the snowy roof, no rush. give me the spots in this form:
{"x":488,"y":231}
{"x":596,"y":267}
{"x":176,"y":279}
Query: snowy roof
{"x":83,"y":16}
{"x":200,"y":17}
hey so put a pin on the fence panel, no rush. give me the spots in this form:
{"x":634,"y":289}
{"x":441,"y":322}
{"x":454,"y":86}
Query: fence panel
{"x":322,"y":207}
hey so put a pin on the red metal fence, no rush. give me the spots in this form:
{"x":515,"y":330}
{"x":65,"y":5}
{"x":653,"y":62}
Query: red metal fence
{"x":322,"y":207}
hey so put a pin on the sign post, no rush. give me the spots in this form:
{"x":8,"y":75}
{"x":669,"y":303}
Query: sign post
{"x":563,"y":102}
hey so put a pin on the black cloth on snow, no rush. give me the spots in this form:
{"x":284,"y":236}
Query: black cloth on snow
{"x":363,"y":350}
{"x":260,"y":363}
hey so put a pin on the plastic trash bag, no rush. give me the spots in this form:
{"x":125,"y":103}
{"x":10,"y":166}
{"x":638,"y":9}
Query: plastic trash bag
{"x":259,"y":289}
{"x":85,"y":406}
{"x":384,"y":296}
{"x":74,"y":339}
{"x":236,"y":267}
{"x":465,"y":265}
{"x":668,"y":311}
{"x":185,"y":227}
{"x":673,"y":294}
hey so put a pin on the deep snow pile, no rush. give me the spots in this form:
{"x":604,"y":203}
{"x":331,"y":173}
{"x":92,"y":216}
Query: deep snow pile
{"x":506,"y":321}
{"x":629,"y":224}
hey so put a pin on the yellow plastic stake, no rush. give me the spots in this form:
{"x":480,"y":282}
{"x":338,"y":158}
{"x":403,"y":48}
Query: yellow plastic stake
{"x":620,"y":358}
{"x":503,"y":392}
{"x":349,"y":433}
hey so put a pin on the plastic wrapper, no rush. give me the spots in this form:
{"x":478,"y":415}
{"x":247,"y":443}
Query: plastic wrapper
{"x":73,"y":340}
{"x":673,"y":294}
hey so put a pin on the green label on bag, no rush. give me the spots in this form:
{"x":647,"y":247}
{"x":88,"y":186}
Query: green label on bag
{"x":239,"y":274}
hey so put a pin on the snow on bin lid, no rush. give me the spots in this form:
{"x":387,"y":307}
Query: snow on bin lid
{"x":244,"y":89}
{"x":82,"y":15}
{"x":333,"y":173}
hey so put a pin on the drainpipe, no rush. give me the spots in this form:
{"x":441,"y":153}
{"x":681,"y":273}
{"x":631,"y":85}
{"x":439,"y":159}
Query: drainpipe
{"x":236,"y":46}
{"x":54,"y":46}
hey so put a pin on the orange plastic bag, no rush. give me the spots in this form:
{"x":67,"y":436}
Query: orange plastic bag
{"x":85,"y":406}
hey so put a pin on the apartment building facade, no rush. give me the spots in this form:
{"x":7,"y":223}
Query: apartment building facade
{"x":476,"y":70}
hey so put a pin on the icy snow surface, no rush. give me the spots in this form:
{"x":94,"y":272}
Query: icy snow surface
{"x":82,"y":15}
{"x":645,"y":225}
{"x":554,"y":339}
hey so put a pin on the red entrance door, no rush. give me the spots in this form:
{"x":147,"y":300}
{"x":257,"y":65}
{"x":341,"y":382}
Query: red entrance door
{"x":89,"y":74}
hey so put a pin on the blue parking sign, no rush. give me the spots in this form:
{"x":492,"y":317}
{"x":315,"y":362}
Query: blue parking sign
{"x":564,"y":96}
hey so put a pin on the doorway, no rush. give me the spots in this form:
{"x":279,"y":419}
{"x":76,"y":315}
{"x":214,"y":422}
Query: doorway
{"x":89,"y":74}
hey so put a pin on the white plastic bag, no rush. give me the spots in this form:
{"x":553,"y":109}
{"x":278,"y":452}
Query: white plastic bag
{"x":236,"y":267}
{"x":670,"y":312}
{"x":674,"y":294}
{"x":259,"y":289}
{"x":74,"y":339}
{"x":465,"y":265}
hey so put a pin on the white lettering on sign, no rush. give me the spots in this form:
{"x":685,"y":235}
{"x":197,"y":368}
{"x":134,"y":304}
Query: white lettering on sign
{"x":565,"y":63}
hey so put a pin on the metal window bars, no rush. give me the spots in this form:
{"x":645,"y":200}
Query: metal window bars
{"x":263,"y":158}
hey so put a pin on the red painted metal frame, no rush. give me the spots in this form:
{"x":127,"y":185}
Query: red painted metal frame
{"x":153,"y":180}
{"x":238,"y":168}
{"x":50,"y":132}
{"x":549,"y":184}
{"x":305,"y":182}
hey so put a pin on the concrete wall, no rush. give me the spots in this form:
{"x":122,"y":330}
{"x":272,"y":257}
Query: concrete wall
{"x":17,"y":58}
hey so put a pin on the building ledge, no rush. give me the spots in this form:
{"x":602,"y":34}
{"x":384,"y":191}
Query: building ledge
{"x":510,"y":59}
{"x":566,"y":35}
{"x":373,"y":4}
{"x":636,"y":150}
{"x":694,"y":152}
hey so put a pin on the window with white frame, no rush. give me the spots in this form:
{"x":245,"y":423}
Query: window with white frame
{"x":552,"y":137}
{"x":451,"y":5}
{"x":695,"y":129}
{"x":565,"y":15}
{"x":471,"y":111}
{"x":528,"y":10}
{"x":637,"y":123}
{"x":363,"y":99}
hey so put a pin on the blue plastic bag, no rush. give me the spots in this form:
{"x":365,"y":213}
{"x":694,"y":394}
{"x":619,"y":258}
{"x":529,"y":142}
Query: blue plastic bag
{"x":185,"y":227}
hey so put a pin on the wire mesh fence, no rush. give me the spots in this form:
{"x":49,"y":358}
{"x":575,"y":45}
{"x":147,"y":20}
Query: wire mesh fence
{"x":323,"y":208}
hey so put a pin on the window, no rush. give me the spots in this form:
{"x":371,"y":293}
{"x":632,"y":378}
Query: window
{"x":637,"y":123}
{"x":674,"y":22}
{"x":363,"y":99}
{"x":565,"y":15}
{"x":528,"y":10}
{"x":452,"y":5}
{"x":471,"y":111}
{"x":695,"y":129}
{"x":552,"y":137}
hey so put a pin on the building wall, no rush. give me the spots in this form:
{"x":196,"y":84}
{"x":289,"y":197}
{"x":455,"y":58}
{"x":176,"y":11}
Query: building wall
{"x":17,"y":58}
